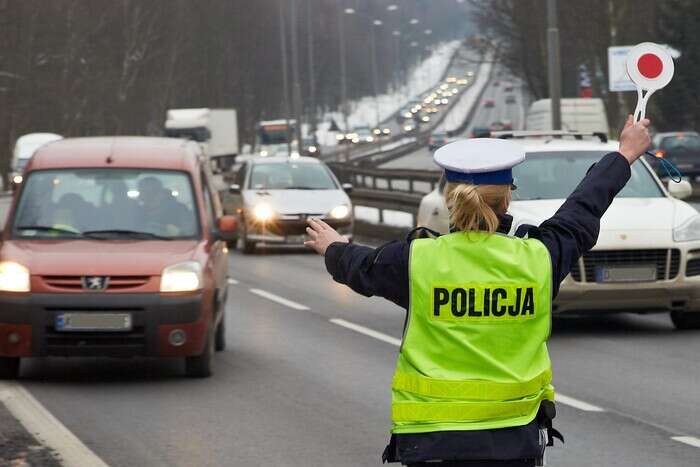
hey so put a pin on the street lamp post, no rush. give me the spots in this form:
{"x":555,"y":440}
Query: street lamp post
{"x":554,"y":72}
{"x":295,"y":73}
{"x":343,"y":66}
{"x":285,"y":78}
{"x":312,"y":72}
{"x":375,"y":78}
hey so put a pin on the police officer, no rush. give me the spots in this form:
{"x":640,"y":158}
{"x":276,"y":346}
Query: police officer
{"x":473,"y":377}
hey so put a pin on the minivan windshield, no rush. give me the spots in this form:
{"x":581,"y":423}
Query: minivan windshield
{"x":107,"y":204}
{"x":291,"y":176}
{"x":555,"y":175}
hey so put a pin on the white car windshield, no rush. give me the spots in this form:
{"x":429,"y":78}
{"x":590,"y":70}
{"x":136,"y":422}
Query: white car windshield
{"x":107,"y":204}
{"x":291,"y":176}
{"x":555,"y":175}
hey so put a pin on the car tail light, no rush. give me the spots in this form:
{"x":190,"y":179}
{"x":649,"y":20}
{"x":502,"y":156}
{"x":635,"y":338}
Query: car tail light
{"x":660,"y":153}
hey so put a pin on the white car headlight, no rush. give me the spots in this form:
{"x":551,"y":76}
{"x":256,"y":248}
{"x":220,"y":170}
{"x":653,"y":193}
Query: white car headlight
{"x":17,"y":179}
{"x":340,"y":212}
{"x":688,"y":231}
{"x":181,"y":277}
{"x":13,"y":277}
{"x":263,"y":212}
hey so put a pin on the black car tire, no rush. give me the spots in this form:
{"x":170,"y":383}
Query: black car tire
{"x":220,"y":340}
{"x":200,"y":366}
{"x":9,"y":367}
{"x":247,"y":246}
{"x":684,"y":320}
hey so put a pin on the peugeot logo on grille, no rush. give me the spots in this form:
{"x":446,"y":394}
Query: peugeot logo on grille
{"x":95,"y":283}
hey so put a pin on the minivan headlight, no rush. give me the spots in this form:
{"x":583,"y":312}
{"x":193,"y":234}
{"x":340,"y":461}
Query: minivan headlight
{"x":340,"y":212}
{"x":181,"y":277}
{"x":13,"y":277}
{"x":688,"y":231}
{"x":263,"y":212}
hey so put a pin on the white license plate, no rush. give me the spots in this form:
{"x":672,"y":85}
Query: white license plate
{"x":93,"y":322}
{"x":625,"y":274}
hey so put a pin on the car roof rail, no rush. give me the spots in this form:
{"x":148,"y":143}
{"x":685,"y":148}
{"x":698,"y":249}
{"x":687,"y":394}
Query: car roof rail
{"x":555,"y":133}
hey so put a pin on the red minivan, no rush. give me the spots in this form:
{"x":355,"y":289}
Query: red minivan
{"x":115,"y":246}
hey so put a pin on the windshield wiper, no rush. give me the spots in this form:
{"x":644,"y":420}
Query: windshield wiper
{"x":123,"y":232}
{"x":48,"y":228}
{"x":301,"y":188}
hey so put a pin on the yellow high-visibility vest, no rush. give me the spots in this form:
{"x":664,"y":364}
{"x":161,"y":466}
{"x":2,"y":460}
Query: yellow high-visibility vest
{"x":474,"y":353}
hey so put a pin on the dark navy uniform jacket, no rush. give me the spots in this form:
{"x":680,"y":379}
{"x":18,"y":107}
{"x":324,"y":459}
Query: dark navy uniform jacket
{"x":383,"y":271}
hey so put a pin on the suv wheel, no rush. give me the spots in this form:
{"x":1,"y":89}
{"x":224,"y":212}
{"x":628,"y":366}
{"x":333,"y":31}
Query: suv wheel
{"x":200,"y":366}
{"x":9,"y":367}
{"x":685,"y":320}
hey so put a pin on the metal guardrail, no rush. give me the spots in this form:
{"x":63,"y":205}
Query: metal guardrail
{"x":387,"y":189}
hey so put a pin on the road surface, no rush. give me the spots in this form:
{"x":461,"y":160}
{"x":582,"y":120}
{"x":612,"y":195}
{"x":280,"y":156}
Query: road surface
{"x":305,"y":382}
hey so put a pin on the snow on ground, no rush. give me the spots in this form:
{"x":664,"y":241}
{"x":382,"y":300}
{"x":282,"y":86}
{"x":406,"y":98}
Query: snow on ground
{"x":461,"y":109}
{"x":364,"y":112}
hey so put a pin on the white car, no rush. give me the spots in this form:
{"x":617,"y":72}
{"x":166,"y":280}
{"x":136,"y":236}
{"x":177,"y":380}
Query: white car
{"x":647,"y":258}
{"x":273,"y":197}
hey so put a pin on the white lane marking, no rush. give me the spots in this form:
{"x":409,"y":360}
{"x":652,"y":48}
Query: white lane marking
{"x":566,"y":400}
{"x":280,"y":300}
{"x":46,"y":428}
{"x":689,"y":440}
{"x":581,"y":405}
{"x":232,"y":281}
{"x":367,"y":332}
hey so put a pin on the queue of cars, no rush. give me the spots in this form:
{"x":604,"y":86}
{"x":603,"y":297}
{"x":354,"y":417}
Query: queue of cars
{"x":640,"y":264}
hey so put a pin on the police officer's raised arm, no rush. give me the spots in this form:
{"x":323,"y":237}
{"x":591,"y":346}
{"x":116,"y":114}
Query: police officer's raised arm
{"x":574,"y":229}
{"x":368,"y":271}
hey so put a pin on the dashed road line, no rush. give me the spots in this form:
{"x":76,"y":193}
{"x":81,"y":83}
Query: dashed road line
{"x":46,"y":428}
{"x":689,"y":440}
{"x":581,"y":405}
{"x":280,"y":300}
{"x":367,"y":331}
{"x":233,"y":281}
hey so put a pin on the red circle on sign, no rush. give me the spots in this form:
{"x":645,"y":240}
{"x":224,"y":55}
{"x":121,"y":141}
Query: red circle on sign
{"x":650,"y":66}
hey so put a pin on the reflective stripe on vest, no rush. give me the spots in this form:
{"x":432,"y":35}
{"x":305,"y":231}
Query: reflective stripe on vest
{"x":474,"y":352}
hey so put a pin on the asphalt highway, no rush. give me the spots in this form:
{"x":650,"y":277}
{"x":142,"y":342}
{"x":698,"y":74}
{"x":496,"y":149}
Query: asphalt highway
{"x":300,"y":386}
{"x":483,"y":117}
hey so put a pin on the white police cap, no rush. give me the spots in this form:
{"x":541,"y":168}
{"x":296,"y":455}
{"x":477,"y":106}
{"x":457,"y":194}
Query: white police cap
{"x":480,"y":161}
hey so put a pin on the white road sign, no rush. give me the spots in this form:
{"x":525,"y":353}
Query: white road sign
{"x":618,"y":80}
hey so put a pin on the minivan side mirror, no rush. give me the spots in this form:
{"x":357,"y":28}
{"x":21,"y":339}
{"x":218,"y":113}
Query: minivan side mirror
{"x":347,"y":187}
{"x":234,"y":189}
{"x":681,"y":190}
{"x":226,"y":227}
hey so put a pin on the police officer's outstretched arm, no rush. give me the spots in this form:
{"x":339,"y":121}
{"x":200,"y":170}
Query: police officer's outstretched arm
{"x":574,"y":229}
{"x":368,"y":271}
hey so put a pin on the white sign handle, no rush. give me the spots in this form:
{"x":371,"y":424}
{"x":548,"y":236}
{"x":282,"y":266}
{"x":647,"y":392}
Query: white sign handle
{"x":641,"y":110}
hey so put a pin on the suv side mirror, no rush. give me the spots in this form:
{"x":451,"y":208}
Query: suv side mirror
{"x":681,"y":190}
{"x":347,"y":187}
{"x":234,"y":189}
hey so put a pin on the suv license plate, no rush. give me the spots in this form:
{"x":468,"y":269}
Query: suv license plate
{"x":625,"y":274}
{"x":114,"y":322}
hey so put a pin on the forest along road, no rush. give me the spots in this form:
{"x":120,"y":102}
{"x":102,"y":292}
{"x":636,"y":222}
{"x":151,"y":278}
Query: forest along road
{"x":306,"y":378}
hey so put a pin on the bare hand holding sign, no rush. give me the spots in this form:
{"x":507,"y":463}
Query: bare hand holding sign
{"x":634,"y":139}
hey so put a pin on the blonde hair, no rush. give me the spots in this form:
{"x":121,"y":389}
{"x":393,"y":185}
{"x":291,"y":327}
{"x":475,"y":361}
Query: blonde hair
{"x":476,"y":207}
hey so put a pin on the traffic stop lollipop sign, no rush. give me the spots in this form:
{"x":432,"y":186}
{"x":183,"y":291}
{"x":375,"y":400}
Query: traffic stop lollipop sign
{"x":650,"y":67}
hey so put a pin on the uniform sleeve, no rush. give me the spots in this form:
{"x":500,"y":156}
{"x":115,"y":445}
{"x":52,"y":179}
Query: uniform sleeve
{"x":368,"y":271}
{"x":574,"y":229}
